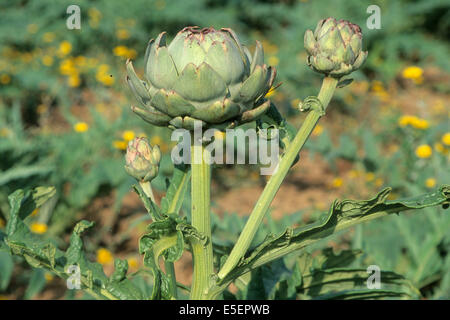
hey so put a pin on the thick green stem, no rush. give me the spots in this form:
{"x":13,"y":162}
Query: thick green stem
{"x":269,"y":192}
{"x":201,"y":220}
{"x":147,"y":187}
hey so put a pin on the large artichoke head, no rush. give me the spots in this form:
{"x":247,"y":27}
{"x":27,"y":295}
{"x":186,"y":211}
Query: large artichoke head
{"x":335,"y":47}
{"x":205,"y":75}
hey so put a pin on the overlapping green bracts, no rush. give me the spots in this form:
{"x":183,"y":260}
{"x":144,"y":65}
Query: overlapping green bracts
{"x":335,"y":47}
{"x":205,"y":75}
{"x":142,"y":161}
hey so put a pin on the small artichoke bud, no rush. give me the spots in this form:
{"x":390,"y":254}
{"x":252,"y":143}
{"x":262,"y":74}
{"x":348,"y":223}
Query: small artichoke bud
{"x":142,"y":161}
{"x":335,"y":47}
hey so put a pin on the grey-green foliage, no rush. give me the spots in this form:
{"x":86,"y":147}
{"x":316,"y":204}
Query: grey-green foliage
{"x":41,"y":253}
{"x":416,"y":246}
{"x":409,"y":29}
{"x":323,"y":276}
{"x":342,"y":214}
{"x":85,"y":161}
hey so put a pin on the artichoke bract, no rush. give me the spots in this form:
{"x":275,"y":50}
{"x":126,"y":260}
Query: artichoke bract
{"x":335,"y":47}
{"x":142,"y":161}
{"x":203,"y":74}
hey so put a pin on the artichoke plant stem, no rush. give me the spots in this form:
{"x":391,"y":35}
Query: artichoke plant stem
{"x":245,"y":239}
{"x":147,"y":187}
{"x":170,"y":270}
{"x":200,"y":215}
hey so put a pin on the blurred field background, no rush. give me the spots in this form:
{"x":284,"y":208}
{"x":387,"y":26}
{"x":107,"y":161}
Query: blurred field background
{"x":65,"y":121}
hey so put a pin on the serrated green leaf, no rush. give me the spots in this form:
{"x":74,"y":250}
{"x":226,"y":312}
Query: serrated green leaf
{"x":41,"y":253}
{"x":341,"y":215}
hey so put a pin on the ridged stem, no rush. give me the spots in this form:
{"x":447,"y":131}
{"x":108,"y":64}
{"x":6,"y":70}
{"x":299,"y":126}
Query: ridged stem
{"x":271,"y":189}
{"x":201,"y":220}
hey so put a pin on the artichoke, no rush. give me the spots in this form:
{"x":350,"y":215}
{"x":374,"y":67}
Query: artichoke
{"x":142,"y":161}
{"x":203,"y":74}
{"x":335,"y":47}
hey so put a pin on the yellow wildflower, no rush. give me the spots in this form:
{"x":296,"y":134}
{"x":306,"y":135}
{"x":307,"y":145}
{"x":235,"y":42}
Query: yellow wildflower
{"x":107,"y":80}
{"x":294,"y":103}
{"x":378,"y":182}
{"x":120,"y":51}
{"x":38,"y":227}
{"x":81,"y":127}
{"x":122,"y":34}
{"x":48,"y":276}
{"x":4,"y":132}
{"x":420,"y":124}
{"x":74,"y":80}
{"x":156,"y":140}
{"x":5,"y":79}
{"x":370,"y":176}
{"x":65,"y":48}
{"x":47,"y":60}
{"x":446,"y":139}
{"x":377,"y":86}
{"x":317,"y":130}
{"x":80,"y":61}
{"x":48,"y":37}
{"x":32,"y":28}
{"x":441,"y":148}
{"x":392,"y":196}
{"x":337,"y":182}
{"x":254,"y":176}
{"x":273,"y":61}
{"x":424,"y":151}
{"x":430,"y":182}
{"x":269,"y":47}
{"x":414,"y":73}
{"x":438,"y":107}
{"x":103,"y":76}
{"x":67,"y":67}
{"x":160,"y":4}
{"x":379,"y":91}
{"x":133,"y":263}
{"x":42,"y":108}
{"x":35,"y":212}
{"x":94,"y":17}
{"x":131,"y":54}
{"x":120,"y":144}
{"x":27,"y":57}
{"x":413,"y":121}
{"x":124,"y":52}
{"x":359,"y":87}
{"x":353,"y":173}
{"x":405,"y":120}
{"x":348,"y":98}
{"x":128,"y":135}
{"x":104,"y":256}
